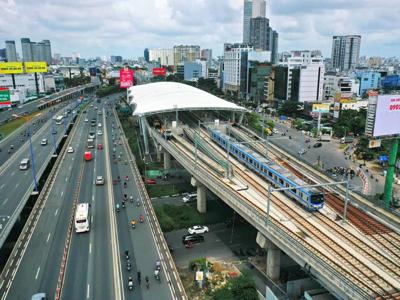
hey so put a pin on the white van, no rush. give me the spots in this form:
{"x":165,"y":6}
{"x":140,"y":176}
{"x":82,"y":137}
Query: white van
{"x":25,"y":164}
{"x":189,"y":198}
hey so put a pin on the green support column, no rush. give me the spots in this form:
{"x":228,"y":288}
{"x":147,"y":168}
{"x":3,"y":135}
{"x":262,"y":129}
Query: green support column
{"x":390,"y":173}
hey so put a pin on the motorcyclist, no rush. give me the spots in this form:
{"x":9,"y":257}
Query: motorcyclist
{"x":141,"y":218}
{"x":127,"y":254}
{"x":128,"y":265}
{"x":125,"y":184}
{"x":130,"y":283}
{"x":147,"y":282}
{"x":138,"y":202}
{"x":133,"y":223}
{"x":131,"y":198}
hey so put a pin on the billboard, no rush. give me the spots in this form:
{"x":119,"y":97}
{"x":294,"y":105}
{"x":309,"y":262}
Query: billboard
{"x":5,"y":98}
{"x":159,"y":71}
{"x":11,"y":68}
{"x":387,"y":115}
{"x":321,"y":108}
{"x":125,"y":78}
{"x":36,"y":67}
{"x":92,"y":71}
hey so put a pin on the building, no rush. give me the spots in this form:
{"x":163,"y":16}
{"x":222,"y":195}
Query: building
{"x":204,"y":67}
{"x":346,"y":52}
{"x":236,"y":67}
{"x":369,"y":80}
{"x":247,"y":15}
{"x":274,"y":46}
{"x":259,"y":8}
{"x":260,"y":33}
{"x":116,"y":59}
{"x":186,"y":53}
{"x":192,"y":71}
{"x":26,"y":49}
{"x":24,"y":83}
{"x":146,"y":55}
{"x":340,"y":86}
{"x":260,"y":88}
{"x":206,"y":54}
{"x":3,"y":54}
{"x":11,"y":51}
{"x":391,"y":82}
{"x":46,"y":51}
{"x":164,"y":56}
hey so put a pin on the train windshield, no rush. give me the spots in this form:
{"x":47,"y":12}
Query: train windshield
{"x":317,"y":198}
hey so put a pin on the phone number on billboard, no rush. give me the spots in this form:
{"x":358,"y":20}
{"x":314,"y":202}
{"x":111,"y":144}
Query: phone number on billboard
{"x":395,"y":107}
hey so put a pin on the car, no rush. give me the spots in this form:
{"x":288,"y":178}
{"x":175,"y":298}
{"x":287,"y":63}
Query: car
{"x":86,"y":120}
{"x":95,"y":108}
{"x":74,"y":111}
{"x":276,"y":131}
{"x":192,"y":238}
{"x":43,"y":142}
{"x":99,"y":125}
{"x":99,"y":146}
{"x":91,"y":135}
{"x":198,"y":229}
{"x":189,"y":198}
{"x":99,"y":132}
{"x":302,"y":151}
{"x":317,"y":145}
{"x":39,"y":296}
{"x":84,"y":112}
{"x":150,"y":181}
{"x":54,"y":132}
{"x":91,"y":105}
{"x":99,"y":180}
{"x":70,"y":149}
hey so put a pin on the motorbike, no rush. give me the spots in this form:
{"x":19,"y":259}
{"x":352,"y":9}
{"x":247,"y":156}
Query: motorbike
{"x":157,"y":275}
{"x":138,"y":202}
{"x":133,"y":224}
{"x":141,"y":218}
{"x":127,"y":254}
{"x":123,"y":204}
{"x":130,"y":284}
{"x":158,"y":265}
{"x":128,"y":265}
{"x":131,"y":199}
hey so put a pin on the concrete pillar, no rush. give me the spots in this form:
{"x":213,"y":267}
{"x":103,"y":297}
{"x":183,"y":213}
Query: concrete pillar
{"x":273,"y":257}
{"x":233,"y":117}
{"x":145,"y":136}
{"x":158,"y":151}
{"x":241,"y":118}
{"x":201,"y":195}
{"x":167,"y":160}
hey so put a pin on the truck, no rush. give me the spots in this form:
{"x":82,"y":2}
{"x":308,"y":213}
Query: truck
{"x":87,"y":156}
{"x":324,"y":138}
{"x":347,"y":139}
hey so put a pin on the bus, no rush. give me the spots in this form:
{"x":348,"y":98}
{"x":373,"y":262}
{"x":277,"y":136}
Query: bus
{"x":82,"y":217}
{"x":90,"y":143}
{"x":59,"y":120}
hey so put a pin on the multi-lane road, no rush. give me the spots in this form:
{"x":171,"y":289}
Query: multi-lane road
{"x":95,"y":266}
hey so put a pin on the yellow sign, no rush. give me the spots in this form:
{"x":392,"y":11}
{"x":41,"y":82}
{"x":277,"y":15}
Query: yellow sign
{"x":36,"y":67}
{"x":199,"y":275}
{"x":11,"y":68}
{"x":321,"y":107}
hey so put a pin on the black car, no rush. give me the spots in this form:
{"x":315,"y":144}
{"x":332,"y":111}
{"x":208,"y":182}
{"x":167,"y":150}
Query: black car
{"x":193,"y":238}
{"x":317,"y":145}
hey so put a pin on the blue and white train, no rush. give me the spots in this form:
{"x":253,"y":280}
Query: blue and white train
{"x":311,"y":198}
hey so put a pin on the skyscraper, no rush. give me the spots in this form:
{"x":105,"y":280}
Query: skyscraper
{"x":260,"y":33}
{"x":11,"y":52}
{"x":146,"y":55}
{"x":26,"y":49}
{"x":259,"y":8}
{"x":247,"y":14}
{"x":46,"y":51}
{"x":345,"y":52}
{"x":206,"y":54}
{"x":184,"y":53}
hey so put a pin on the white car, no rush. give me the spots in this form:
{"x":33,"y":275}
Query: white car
{"x":198,"y":229}
{"x":70,"y":149}
{"x":99,"y":132}
{"x":43,"y":142}
{"x":86,"y":120}
{"x":99,"y":180}
{"x":99,"y":125}
{"x":302,"y":151}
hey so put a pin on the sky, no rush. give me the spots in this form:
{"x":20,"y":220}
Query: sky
{"x":125,"y":27}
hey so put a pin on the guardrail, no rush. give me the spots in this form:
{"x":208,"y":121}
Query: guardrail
{"x":333,"y":274}
{"x":159,"y":237}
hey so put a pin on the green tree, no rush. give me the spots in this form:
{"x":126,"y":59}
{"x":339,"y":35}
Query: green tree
{"x":289,"y":108}
{"x":243,"y":287}
{"x":350,"y":121}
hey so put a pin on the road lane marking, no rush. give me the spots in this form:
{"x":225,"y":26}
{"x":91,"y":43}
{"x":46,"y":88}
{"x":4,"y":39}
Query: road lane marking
{"x":91,"y":219}
{"x":70,"y":167}
{"x":5,"y":201}
{"x":90,"y":248}
{"x":88,"y":291}
{"x":1,"y":187}
{"x":17,"y":185}
{"x":56,"y":212}
{"x":92,"y":198}
{"x":48,"y":237}
{"x":12,"y":173}
{"x":37,"y":273}
{"x":66,"y":179}
{"x":62,"y":193}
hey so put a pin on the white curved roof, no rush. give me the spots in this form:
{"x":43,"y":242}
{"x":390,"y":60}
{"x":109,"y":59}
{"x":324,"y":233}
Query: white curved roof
{"x":160,"y":97}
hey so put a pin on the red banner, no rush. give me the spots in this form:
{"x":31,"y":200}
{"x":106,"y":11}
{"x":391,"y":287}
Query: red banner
{"x":159,"y":71}
{"x":125,"y":78}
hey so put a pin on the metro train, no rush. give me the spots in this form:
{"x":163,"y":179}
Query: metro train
{"x":311,"y":198}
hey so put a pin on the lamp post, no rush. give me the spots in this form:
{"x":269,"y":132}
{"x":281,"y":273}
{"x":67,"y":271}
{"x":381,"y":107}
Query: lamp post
{"x":33,"y":160}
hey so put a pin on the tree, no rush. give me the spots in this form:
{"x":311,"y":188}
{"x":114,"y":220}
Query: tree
{"x":289,"y":108}
{"x":241,"y":287}
{"x":350,"y":121}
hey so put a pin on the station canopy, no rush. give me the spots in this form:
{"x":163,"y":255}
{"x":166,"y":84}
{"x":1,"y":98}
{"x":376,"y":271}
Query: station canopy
{"x":161,"y":97}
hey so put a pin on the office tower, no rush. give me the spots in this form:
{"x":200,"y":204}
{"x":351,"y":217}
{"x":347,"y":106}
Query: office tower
{"x":187,"y":53}
{"x":26,"y":49}
{"x":46,"y":51}
{"x":206,"y":54}
{"x":258,"y":8}
{"x":3,"y":55}
{"x":345,"y":52}
{"x":11,"y":52}
{"x":260,"y":33}
{"x":247,"y":13}
{"x":146,"y":55}
{"x":164,"y":56}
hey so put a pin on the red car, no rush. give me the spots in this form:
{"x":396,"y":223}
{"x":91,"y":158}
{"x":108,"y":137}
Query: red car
{"x":99,"y":146}
{"x":150,"y":181}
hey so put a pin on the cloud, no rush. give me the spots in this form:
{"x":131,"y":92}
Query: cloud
{"x":126,"y":27}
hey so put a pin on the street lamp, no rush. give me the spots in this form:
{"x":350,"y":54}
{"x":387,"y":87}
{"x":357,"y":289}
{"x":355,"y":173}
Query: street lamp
{"x":33,"y":161}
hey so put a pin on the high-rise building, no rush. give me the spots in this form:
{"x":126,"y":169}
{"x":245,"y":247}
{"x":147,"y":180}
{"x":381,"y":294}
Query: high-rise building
{"x":116,"y":59}
{"x":3,"y":54}
{"x":274,"y":36}
{"x":11,"y":52}
{"x":46,"y":51}
{"x":259,"y":8}
{"x":183,"y":53}
{"x":164,"y":56}
{"x":206,"y":54}
{"x":260,"y":33}
{"x":26,"y":49}
{"x":35,"y":51}
{"x":345,"y":52}
{"x":247,"y":14}
{"x":146,"y":55}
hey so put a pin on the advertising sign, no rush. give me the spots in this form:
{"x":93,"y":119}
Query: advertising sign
{"x":387,"y":115}
{"x":321,"y":108}
{"x":36,"y":67}
{"x":5,"y":98}
{"x":125,"y":78}
{"x":92,"y":71}
{"x":159,"y":71}
{"x":336,"y":110}
{"x":374,"y":143}
{"x":11,"y":68}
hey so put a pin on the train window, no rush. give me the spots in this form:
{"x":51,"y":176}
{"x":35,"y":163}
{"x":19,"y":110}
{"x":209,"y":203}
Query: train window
{"x":270,"y":174}
{"x":250,"y":161}
{"x":317,"y":198}
{"x":280,"y":180}
{"x":294,"y":191}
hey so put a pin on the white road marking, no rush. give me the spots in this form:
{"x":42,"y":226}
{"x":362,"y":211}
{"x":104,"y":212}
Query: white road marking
{"x":90,"y":248}
{"x":48,"y":237}
{"x":13,"y":173}
{"x":91,"y":219}
{"x":66,"y":179}
{"x":1,"y":285}
{"x":92,"y":197}
{"x":70,"y":167}
{"x":1,"y":187}
{"x":5,"y":201}
{"x":37,"y":273}
{"x":88,"y":291}
{"x":62,"y":193}
{"x":56,"y":212}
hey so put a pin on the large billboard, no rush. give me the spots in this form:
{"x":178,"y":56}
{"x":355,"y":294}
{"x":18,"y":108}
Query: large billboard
{"x":5,"y":98}
{"x":159,"y":71}
{"x":92,"y":72}
{"x":36,"y":67}
{"x":11,"y":68}
{"x":125,"y":78}
{"x":321,"y":108}
{"x":387,"y":115}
